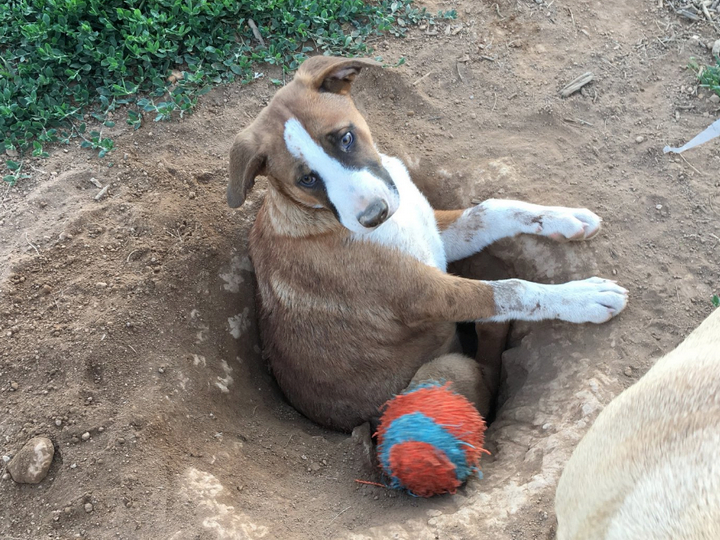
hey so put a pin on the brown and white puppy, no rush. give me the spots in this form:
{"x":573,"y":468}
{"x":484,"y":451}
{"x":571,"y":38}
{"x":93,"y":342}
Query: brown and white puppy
{"x":350,"y":258}
{"x":649,"y":468}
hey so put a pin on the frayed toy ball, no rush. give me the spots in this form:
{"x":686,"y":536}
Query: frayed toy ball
{"x":430,"y":440}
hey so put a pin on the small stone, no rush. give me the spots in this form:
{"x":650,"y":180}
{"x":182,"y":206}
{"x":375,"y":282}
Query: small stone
{"x":716,"y":48}
{"x":88,"y":507}
{"x":101,"y":429}
{"x":14,"y":386}
{"x":31,"y":464}
{"x":85,"y":436}
{"x":639,"y":139}
{"x":628,"y":371}
{"x":411,"y":113}
{"x":74,"y":439}
{"x":101,"y":284}
{"x":191,"y":194}
{"x":73,"y":466}
{"x":715,"y":98}
{"x":6,"y":476}
{"x":161,"y":370}
{"x":658,"y":207}
{"x":58,"y":422}
{"x":121,"y":440}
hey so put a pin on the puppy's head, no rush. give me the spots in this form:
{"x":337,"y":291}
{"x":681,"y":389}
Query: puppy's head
{"x":316,"y":149}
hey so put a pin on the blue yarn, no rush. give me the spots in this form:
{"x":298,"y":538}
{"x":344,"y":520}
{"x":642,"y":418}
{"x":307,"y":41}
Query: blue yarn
{"x":424,"y":384}
{"x":416,"y":427}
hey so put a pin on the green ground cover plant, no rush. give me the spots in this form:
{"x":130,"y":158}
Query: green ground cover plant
{"x":709,"y":76}
{"x":62,"y":60}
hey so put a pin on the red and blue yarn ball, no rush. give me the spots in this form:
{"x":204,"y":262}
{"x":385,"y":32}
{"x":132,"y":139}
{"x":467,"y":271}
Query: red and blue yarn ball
{"x":430,"y":440}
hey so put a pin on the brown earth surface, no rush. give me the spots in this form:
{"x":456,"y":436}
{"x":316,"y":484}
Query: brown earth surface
{"x":131,"y":318}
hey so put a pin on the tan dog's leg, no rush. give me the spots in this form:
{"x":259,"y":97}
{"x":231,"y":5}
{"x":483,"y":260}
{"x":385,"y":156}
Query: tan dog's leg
{"x":465,"y":232}
{"x":492,"y":339}
{"x":465,"y":375}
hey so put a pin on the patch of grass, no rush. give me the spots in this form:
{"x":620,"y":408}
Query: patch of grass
{"x":709,"y":76}
{"x":62,"y":61}
{"x":716,"y":300}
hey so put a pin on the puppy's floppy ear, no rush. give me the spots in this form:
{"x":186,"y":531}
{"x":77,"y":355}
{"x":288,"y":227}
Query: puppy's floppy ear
{"x":247,"y":160}
{"x":333,"y":73}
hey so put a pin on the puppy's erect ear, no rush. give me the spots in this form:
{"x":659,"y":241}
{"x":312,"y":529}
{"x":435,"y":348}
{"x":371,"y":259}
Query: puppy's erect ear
{"x":333,"y":73}
{"x":246,"y":162}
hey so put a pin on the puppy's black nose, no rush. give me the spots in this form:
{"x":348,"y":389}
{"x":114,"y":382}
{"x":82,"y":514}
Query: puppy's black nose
{"x":375,"y":214}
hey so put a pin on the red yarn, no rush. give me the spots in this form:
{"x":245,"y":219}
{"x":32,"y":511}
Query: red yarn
{"x":450,"y":410}
{"x":423,"y":469}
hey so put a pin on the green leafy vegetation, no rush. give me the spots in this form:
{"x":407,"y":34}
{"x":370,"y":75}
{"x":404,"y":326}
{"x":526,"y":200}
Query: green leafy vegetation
{"x":63,"y":62}
{"x":709,"y":76}
{"x":716,"y":300}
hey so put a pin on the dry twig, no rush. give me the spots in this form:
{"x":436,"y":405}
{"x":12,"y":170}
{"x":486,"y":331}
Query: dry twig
{"x":256,"y":32}
{"x":577,"y":84}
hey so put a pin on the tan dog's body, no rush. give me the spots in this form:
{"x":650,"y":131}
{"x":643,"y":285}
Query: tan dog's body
{"x":649,"y":468}
{"x":350,"y":258}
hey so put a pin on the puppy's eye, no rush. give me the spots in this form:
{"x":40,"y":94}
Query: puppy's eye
{"x":347,"y":140}
{"x":308,"y":181}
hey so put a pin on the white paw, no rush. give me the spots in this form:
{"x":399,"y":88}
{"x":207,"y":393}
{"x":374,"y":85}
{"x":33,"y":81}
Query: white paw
{"x":563,"y":224}
{"x":594,"y":300}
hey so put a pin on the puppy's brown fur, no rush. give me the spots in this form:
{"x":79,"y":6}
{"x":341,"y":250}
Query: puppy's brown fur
{"x":346,"y":320}
{"x":341,"y":345}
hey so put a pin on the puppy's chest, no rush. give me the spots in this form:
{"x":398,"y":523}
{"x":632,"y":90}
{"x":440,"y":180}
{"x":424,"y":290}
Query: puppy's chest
{"x":412,"y":229}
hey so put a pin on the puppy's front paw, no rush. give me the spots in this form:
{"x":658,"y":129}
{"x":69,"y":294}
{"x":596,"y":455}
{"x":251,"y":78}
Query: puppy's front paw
{"x":563,"y":224}
{"x":593,"y":300}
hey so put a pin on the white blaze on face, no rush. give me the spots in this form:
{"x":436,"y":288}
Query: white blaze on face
{"x":349,"y":190}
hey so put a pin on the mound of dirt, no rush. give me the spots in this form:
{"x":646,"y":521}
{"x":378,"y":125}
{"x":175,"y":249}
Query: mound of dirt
{"x":127,"y":324}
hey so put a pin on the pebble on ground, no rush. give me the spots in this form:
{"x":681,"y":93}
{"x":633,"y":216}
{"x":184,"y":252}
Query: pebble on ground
{"x":31,"y":464}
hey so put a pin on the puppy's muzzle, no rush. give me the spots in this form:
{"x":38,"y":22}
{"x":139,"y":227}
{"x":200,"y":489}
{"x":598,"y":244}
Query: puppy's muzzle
{"x":375,"y":214}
